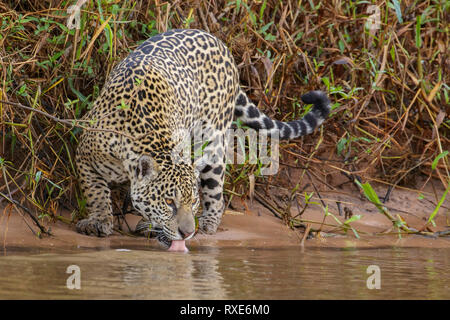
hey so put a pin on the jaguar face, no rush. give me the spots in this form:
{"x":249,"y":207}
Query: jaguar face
{"x":166,"y":196}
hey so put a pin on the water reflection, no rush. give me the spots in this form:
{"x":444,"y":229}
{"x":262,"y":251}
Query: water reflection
{"x":232,"y":273}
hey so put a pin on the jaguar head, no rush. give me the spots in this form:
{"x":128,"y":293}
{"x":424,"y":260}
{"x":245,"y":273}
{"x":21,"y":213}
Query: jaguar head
{"x":166,"y":195}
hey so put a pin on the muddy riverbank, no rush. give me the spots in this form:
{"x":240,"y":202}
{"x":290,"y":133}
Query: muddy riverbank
{"x":248,"y":225}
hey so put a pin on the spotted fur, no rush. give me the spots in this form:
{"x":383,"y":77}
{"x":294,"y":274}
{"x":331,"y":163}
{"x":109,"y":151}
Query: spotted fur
{"x":162,"y":90}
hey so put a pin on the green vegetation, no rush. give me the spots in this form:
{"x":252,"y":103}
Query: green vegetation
{"x":388,"y":82}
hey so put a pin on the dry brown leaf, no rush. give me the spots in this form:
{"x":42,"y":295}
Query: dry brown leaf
{"x":413,"y":78}
{"x":268,"y":65}
{"x":434,"y":91}
{"x":344,"y":60}
{"x":233,"y":213}
{"x":440,"y":118}
{"x":251,"y":180}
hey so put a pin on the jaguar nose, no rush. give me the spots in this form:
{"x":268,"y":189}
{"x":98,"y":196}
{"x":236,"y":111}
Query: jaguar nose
{"x":185,"y":233}
{"x":186,"y":222}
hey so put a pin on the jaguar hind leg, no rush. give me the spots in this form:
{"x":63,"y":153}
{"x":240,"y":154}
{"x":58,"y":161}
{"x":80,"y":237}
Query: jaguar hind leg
{"x":211,"y":182}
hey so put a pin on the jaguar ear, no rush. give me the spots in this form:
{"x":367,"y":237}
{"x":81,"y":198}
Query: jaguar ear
{"x":147,"y":168}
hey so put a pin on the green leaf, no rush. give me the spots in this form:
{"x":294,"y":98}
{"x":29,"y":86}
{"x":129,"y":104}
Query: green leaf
{"x":37,"y":177}
{"x":328,"y":213}
{"x":369,"y":192}
{"x":353,"y":218}
{"x":341,"y":46}
{"x":79,"y":95}
{"x":356,"y":233}
{"x":55,"y":185}
{"x":308,"y":196}
{"x":392,"y":52}
{"x":341,"y":145}
{"x":238,"y":6}
{"x":196,"y":223}
{"x":269,"y":37}
{"x":399,"y":223}
{"x":326,"y":81}
{"x":22,"y":90}
{"x":123,"y":105}
{"x":398,"y":10}
{"x":263,"y":8}
{"x":264,"y":28}
{"x":418,"y":28}
{"x":441,"y":201}
{"x":439,"y":157}
{"x":364,"y":139}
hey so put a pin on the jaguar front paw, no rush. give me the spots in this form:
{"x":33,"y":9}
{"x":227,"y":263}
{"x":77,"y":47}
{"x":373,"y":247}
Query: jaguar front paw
{"x":95,"y":227}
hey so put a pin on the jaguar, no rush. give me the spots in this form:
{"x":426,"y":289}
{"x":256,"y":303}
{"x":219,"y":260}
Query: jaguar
{"x":172,"y":84}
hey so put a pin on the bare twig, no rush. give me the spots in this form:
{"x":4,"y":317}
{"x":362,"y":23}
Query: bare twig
{"x":31,"y":215}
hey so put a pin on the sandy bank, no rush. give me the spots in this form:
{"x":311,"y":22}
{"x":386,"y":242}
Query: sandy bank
{"x":253,"y":227}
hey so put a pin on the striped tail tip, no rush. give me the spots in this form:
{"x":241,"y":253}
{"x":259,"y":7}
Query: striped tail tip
{"x":320,"y":101}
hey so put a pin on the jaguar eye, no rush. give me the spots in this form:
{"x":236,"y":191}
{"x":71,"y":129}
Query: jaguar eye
{"x":170,"y":202}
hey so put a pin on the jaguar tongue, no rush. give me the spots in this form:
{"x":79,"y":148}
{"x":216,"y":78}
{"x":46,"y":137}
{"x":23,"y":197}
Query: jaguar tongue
{"x":178,"y":246}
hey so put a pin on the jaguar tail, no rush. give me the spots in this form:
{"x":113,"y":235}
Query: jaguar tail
{"x":251,"y":116}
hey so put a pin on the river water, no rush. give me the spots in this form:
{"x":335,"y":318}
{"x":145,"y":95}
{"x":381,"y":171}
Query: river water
{"x":228,"y":273}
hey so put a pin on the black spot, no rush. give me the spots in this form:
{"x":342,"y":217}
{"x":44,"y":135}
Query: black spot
{"x":189,"y":43}
{"x":286,"y":132}
{"x":218,"y":170}
{"x":165,"y":44}
{"x":302,"y":127}
{"x":217,"y":196}
{"x":279,"y":124}
{"x":268,"y":123}
{"x":252,"y":112}
{"x":180,"y":36}
{"x":207,"y":168}
{"x":210,"y":183}
{"x":173,"y":41}
{"x":241,"y":100}
{"x":254,"y":124}
{"x":294,"y":125}
{"x":139,"y":72}
{"x":142,"y":94}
